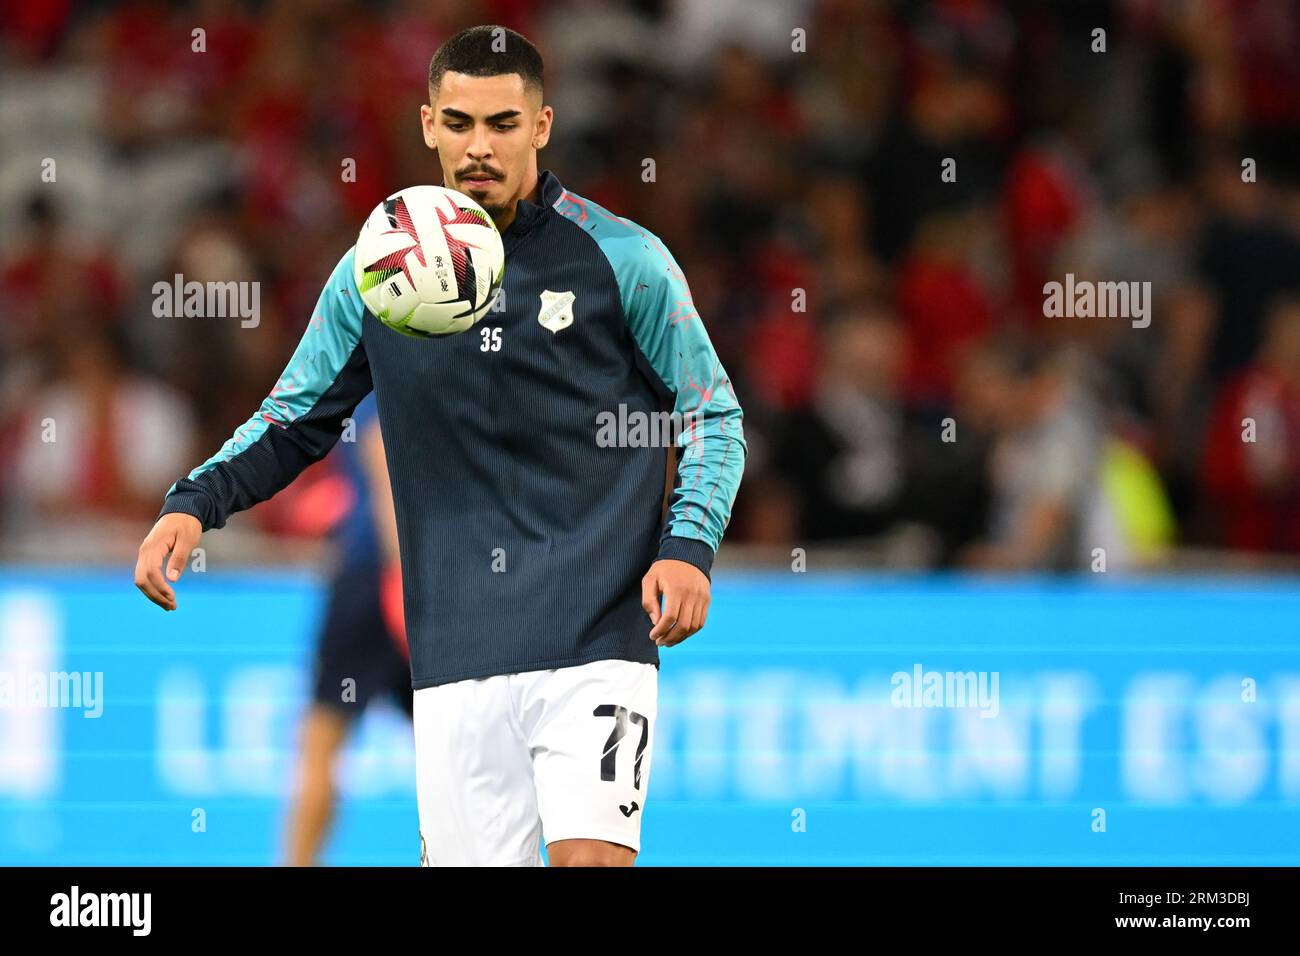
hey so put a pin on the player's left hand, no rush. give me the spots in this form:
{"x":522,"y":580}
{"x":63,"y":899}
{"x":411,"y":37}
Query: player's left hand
{"x":685,"y":592}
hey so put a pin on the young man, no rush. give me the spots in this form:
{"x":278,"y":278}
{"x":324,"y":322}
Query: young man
{"x":532,"y":551}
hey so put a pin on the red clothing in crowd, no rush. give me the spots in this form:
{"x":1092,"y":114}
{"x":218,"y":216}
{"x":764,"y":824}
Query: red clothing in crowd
{"x":944,"y":309}
{"x":1254,"y":486}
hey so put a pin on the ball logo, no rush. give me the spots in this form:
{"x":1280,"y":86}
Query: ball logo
{"x":557,"y":310}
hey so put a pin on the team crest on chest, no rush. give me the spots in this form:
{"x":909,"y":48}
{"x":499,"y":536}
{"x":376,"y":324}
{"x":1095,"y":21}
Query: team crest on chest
{"x":557,"y":310}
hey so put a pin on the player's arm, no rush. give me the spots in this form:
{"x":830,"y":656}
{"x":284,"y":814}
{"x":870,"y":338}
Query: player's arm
{"x":711,"y":445}
{"x":295,"y":426}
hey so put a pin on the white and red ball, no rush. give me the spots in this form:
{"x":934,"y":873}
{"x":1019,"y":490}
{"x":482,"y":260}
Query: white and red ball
{"x":429,"y":261}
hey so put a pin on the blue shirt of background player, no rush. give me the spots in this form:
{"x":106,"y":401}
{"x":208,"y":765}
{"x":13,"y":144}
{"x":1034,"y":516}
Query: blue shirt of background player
{"x":355,"y":533}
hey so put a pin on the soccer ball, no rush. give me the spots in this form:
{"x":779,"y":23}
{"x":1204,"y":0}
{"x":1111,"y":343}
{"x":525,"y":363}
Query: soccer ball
{"x":429,"y":262}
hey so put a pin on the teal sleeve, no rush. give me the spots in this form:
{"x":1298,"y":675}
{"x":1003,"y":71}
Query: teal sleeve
{"x":666,"y":327}
{"x":297,"y":423}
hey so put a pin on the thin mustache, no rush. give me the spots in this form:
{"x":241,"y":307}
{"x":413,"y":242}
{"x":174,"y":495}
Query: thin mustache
{"x":478,"y":172}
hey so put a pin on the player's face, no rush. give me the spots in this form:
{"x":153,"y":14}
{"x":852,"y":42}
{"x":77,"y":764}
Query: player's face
{"x":487,"y":130}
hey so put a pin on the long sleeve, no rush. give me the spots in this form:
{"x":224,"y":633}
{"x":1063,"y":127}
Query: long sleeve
{"x":666,"y":327}
{"x":297,"y":423}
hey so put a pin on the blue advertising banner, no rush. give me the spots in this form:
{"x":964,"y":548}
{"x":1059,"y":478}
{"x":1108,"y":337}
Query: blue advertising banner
{"x":819,"y":719}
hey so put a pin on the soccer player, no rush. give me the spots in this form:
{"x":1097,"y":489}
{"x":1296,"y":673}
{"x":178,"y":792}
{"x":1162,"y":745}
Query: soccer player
{"x":540,"y":576}
{"x":358,"y":658}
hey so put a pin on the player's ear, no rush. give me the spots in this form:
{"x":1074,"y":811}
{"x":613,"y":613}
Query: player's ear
{"x":542,"y":127}
{"x":427,"y":126}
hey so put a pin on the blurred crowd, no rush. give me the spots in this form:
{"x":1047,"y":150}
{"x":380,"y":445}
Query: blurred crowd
{"x":867,"y":199}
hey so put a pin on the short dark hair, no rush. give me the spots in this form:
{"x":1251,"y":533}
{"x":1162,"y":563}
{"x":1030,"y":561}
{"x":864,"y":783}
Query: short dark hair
{"x":487,"y":51}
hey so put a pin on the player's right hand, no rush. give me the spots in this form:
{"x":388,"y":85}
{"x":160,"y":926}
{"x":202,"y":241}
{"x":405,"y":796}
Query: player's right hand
{"x":176,"y":535}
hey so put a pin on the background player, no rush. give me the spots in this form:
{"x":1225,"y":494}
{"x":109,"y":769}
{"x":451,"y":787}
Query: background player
{"x":359,"y":658}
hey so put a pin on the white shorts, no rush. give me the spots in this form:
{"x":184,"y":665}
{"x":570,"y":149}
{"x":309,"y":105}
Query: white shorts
{"x":503,"y":762}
